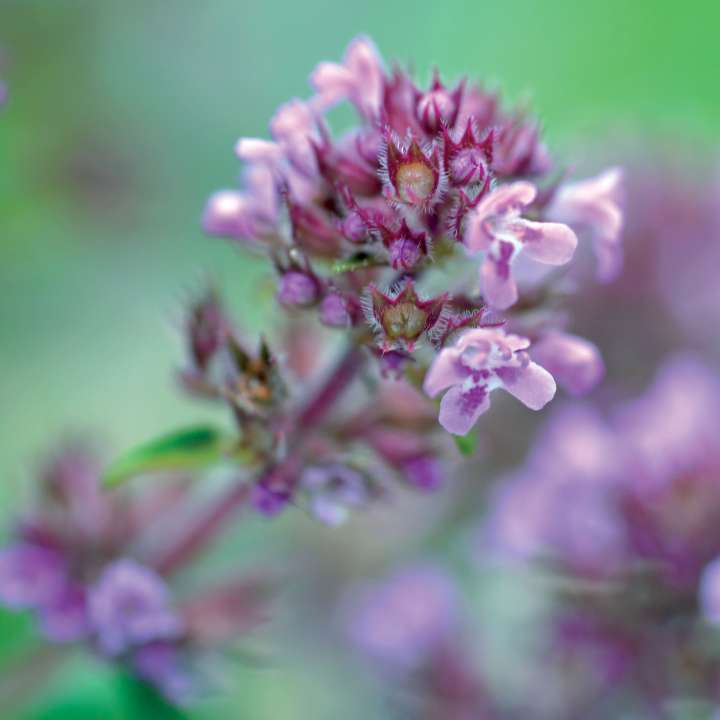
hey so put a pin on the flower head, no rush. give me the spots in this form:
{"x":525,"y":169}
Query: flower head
{"x":480,"y":361}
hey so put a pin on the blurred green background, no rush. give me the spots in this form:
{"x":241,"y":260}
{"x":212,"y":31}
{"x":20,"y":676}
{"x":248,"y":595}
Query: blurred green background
{"x":121,"y":120}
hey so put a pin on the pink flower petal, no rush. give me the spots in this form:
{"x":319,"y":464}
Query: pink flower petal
{"x":477,"y":237}
{"x":444,"y":372}
{"x":550,"y":243}
{"x":254,"y":150}
{"x":460,"y":410}
{"x":499,"y":289}
{"x":504,"y":198}
{"x":574,"y":362}
{"x":533,"y":385}
{"x":359,"y":78}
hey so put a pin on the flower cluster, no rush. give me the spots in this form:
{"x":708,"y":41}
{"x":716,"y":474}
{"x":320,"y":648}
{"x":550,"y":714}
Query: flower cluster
{"x":626,"y":514}
{"x":372,"y":233}
{"x":70,"y":565}
{"x":409,"y":625}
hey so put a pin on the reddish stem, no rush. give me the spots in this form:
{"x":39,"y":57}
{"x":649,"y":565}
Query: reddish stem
{"x":307,"y":419}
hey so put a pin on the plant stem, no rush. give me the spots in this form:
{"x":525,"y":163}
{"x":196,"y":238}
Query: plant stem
{"x":314,"y":411}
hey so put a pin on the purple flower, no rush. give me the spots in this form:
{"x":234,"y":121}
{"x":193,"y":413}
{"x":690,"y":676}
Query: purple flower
{"x":424,"y":472}
{"x":245,"y":215}
{"x":31,"y":576}
{"x":575,"y":363}
{"x":334,"y":489}
{"x":595,"y":205}
{"x":401,"y":620}
{"x":710,"y":592}
{"x":335,"y":311}
{"x":130,"y":605}
{"x":65,"y":619}
{"x":496,"y":228}
{"x":480,"y":361}
{"x":161,"y":664}
{"x":34,"y":577}
{"x":359,"y":78}
{"x":573,"y":466}
{"x":297,"y":289}
{"x":271,"y":497}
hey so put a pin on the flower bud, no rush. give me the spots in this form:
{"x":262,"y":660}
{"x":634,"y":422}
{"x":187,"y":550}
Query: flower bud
{"x":334,"y":311}
{"x":297,"y":289}
{"x":423,"y":472}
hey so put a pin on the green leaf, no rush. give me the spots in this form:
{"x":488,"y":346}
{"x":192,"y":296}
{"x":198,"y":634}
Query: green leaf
{"x":187,"y":448}
{"x":466,"y":444}
{"x":143,"y":702}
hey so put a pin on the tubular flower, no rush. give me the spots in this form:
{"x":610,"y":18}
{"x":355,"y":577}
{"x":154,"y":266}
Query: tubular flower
{"x":595,"y":206}
{"x":481,"y":361}
{"x":575,"y":363}
{"x":496,"y":228}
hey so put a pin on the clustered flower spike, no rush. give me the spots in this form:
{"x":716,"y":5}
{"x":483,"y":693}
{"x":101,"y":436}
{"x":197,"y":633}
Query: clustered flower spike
{"x":429,"y":180}
{"x":69,"y":564}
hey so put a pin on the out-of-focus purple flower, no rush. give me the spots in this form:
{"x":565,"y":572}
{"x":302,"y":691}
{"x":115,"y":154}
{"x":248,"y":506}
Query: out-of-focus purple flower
{"x":641,"y":489}
{"x":574,"y":362}
{"x":359,"y":78}
{"x":334,"y":490}
{"x":336,"y":311}
{"x":573,"y":465}
{"x":710,"y":592}
{"x":672,"y":497}
{"x":496,"y":228}
{"x":31,"y":576}
{"x":271,"y":498}
{"x":480,"y":361}
{"x":297,"y":289}
{"x":401,"y":620}
{"x":595,"y":206}
{"x":65,"y":619}
{"x":423,"y":472}
{"x":161,"y":664}
{"x":129,"y":605}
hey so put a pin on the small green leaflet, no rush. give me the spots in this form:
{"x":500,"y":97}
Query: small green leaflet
{"x":187,"y":448}
{"x":361,"y":260}
{"x":466,"y":444}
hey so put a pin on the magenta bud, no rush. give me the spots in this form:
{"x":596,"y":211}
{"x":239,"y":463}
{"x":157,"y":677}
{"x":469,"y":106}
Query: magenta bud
{"x":423,"y":472}
{"x":353,"y":228}
{"x":297,"y":289}
{"x":334,"y":311}
{"x":404,"y":254}
{"x":468,"y":167}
